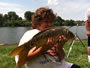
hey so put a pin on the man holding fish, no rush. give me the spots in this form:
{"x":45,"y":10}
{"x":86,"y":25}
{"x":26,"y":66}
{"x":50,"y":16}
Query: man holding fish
{"x":44,"y":55}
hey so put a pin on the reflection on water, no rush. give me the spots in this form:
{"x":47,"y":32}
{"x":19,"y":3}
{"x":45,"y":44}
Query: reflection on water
{"x":10,"y":35}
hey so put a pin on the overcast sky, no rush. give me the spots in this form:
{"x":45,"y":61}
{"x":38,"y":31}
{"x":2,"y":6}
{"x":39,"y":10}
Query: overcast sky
{"x":66,"y":9}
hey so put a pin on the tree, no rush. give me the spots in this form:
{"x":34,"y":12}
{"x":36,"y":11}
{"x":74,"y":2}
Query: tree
{"x":5,"y":17}
{"x":69,"y":22}
{"x":12,"y":16}
{"x":58,"y":21}
{"x":1,"y":20}
{"x":28,"y":15}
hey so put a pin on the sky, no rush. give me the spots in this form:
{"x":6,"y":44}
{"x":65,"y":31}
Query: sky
{"x":66,"y":9}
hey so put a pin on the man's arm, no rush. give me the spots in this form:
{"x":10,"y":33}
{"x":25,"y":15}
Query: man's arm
{"x":39,"y":51}
{"x":87,"y":25}
{"x":59,"y":50}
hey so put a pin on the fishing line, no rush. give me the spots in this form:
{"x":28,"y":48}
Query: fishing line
{"x":78,"y":37}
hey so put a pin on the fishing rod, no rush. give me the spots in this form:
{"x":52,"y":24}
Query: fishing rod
{"x":76,"y":35}
{"x":70,"y":48}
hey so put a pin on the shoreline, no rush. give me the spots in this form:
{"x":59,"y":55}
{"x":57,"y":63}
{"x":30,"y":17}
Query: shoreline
{"x":13,"y":44}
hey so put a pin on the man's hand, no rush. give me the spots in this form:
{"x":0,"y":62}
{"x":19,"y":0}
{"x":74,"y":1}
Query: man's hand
{"x":62,"y":40}
{"x":59,"y":50}
{"x":49,"y":44}
{"x":88,"y":33}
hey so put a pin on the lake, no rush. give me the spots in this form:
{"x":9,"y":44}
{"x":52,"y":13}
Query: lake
{"x":12,"y":35}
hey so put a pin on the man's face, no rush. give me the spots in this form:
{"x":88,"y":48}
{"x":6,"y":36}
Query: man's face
{"x":45,"y":24}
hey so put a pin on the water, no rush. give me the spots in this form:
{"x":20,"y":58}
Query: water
{"x":11,"y":35}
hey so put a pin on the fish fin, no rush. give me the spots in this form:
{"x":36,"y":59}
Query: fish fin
{"x":16,"y":51}
{"x":42,"y":31}
{"x":22,"y":58}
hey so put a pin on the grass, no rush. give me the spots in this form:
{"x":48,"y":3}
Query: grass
{"x":78,"y":55}
{"x":5,"y":60}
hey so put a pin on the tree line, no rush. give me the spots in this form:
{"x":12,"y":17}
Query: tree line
{"x":12,"y":19}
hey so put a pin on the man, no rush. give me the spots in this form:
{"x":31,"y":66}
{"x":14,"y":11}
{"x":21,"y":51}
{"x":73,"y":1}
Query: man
{"x":52,"y":58}
{"x":87,"y":25}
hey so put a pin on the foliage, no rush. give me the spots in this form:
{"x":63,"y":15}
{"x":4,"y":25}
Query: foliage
{"x":1,"y":19}
{"x":69,"y":23}
{"x":12,"y":19}
{"x":28,"y":15}
{"x":12,"y":16}
{"x":59,"y":21}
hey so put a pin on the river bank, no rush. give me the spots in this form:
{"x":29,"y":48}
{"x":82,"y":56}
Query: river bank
{"x":2,"y":44}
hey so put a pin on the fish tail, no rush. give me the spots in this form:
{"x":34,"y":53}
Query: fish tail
{"x":16,"y":51}
{"x":22,"y":58}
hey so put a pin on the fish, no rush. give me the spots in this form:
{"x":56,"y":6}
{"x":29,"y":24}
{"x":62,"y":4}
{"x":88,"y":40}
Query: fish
{"x":40,"y":39}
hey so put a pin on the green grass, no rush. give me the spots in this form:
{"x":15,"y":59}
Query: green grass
{"x":78,"y":55}
{"x":5,"y":60}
